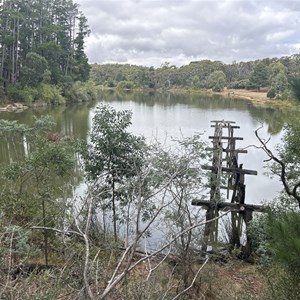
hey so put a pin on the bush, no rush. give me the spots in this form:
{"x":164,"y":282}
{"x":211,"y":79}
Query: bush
{"x":29,"y":95}
{"x":271,"y":93}
{"x":111,"y":84}
{"x":240,"y":84}
{"x":275,"y":239}
{"x":295,"y":85}
{"x":83,"y":92}
{"x":49,"y":94}
{"x":125,"y":85}
{"x":284,"y":234}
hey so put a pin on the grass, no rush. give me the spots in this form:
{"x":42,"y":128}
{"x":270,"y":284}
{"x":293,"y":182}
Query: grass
{"x":260,"y":98}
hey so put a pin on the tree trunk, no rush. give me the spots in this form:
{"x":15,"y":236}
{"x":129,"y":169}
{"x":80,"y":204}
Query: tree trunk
{"x":114,"y":211}
{"x":45,"y":233}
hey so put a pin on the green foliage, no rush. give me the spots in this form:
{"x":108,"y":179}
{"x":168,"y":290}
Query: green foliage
{"x":15,"y":242}
{"x":295,"y":85}
{"x":82,"y":68}
{"x":34,"y":70}
{"x":240,"y":84}
{"x":259,"y":77}
{"x":196,"y":82}
{"x":276,"y":235}
{"x":284,"y":240}
{"x":29,"y":95}
{"x":271,"y":93}
{"x":33,"y":185}
{"x":42,"y":42}
{"x":82,"y":92}
{"x":271,"y":73}
{"x":49,"y":94}
{"x":281,"y":285}
{"x":217,"y":81}
{"x":125,"y":85}
{"x":278,"y":80}
{"x":112,"y":149}
{"x":275,"y":238}
{"x":289,"y":152}
{"x":112,"y":155}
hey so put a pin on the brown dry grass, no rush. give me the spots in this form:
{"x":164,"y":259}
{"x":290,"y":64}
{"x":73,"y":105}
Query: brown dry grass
{"x":237,"y":280}
{"x":259,"y":98}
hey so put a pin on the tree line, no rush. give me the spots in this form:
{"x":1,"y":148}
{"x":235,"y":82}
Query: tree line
{"x":41,"y":48}
{"x":273,"y":74}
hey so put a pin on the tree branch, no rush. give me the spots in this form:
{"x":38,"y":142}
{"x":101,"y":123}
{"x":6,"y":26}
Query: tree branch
{"x":291,"y":191}
{"x":193,"y":281}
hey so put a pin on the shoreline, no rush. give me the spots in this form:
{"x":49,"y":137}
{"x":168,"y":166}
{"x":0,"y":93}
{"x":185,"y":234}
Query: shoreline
{"x":255,"y":97}
{"x":261,"y":99}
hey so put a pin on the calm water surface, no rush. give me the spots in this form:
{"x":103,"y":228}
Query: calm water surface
{"x":163,"y":116}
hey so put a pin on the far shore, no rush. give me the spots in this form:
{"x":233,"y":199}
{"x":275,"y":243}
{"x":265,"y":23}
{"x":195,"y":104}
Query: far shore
{"x":255,"y":97}
{"x":260,"y":98}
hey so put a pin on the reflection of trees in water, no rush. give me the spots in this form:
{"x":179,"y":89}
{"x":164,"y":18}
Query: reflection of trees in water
{"x":70,"y":121}
{"x":275,"y":119}
{"x":73,"y":120}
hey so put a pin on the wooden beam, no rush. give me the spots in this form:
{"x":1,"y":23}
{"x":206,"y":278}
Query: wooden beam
{"x":228,"y":150}
{"x":225,"y":137}
{"x":220,"y":121}
{"x":236,"y":170}
{"x":230,"y":206}
{"x":226,"y":126}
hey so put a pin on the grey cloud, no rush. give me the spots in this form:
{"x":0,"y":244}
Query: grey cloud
{"x":148,"y":31}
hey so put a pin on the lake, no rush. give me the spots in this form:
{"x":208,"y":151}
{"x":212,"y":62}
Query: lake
{"x":165,"y":116}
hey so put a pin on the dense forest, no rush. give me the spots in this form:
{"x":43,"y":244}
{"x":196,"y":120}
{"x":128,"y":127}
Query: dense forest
{"x":273,"y":74}
{"x":41,"y":50}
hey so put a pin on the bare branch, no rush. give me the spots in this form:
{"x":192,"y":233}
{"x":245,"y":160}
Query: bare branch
{"x":151,"y":270}
{"x":116,"y":279}
{"x":291,"y":191}
{"x":65,"y":232}
{"x":87,"y":245}
{"x":193,"y":281}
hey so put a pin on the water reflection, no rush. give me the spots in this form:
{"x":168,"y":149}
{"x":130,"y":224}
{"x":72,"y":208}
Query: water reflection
{"x":164,"y":115}
{"x":274,"y":119}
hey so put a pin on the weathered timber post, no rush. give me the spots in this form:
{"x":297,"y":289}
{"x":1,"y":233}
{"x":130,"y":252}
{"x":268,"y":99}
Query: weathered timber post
{"x":240,"y":212}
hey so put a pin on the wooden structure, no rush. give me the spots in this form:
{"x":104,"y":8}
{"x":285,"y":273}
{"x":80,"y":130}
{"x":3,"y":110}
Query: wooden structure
{"x":227,"y":173}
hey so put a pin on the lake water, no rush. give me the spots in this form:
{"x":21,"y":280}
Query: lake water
{"x":163,"y":116}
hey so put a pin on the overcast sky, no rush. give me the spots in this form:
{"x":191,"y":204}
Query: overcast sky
{"x":151,"y":32}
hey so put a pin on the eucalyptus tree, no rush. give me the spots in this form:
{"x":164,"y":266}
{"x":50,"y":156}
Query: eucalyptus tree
{"x":278,"y":80}
{"x":112,"y":156}
{"x":217,"y":81}
{"x":295,"y":85}
{"x":292,"y":65}
{"x":259,"y":77}
{"x":34,"y":69}
{"x":53,"y":29}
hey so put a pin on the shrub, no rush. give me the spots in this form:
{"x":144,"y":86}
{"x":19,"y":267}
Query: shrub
{"x":125,"y":85}
{"x":29,"y":95}
{"x":271,"y":93}
{"x":83,"y":92}
{"x":50,"y":94}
